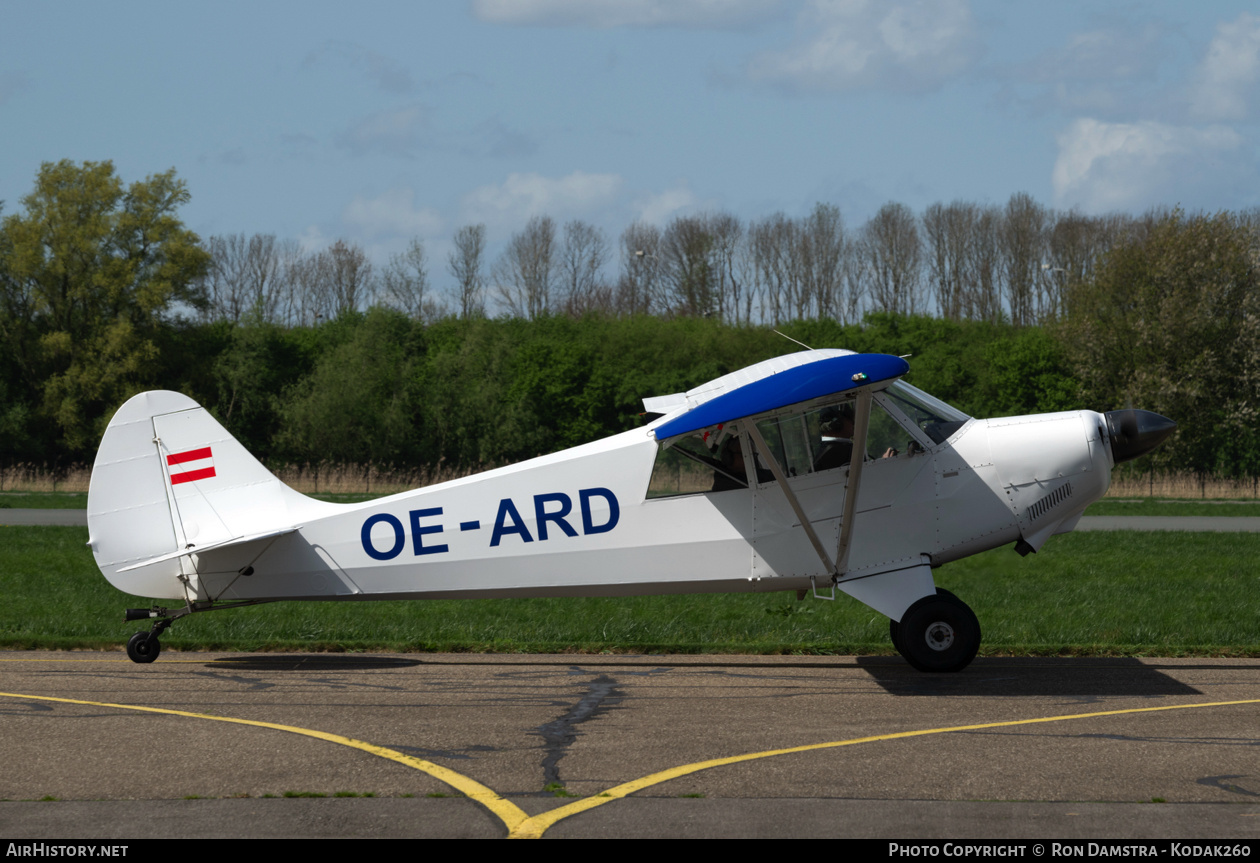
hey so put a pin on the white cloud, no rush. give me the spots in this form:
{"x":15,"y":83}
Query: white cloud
{"x":914,"y":45}
{"x":1104,"y":167}
{"x":522,"y":196}
{"x":625,"y":13}
{"x":1227,"y":82}
{"x":392,"y":214}
{"x":659,"y":208}
{"x":313,"y":239}
{"x":396,"y":132}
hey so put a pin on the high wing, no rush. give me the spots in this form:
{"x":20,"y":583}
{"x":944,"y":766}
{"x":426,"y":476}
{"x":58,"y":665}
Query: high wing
{"x":774,"y":384}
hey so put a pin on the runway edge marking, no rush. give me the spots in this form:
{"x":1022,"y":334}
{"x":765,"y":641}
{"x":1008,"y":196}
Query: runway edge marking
{"x":508,"y":812}
{"x":533,"y":828}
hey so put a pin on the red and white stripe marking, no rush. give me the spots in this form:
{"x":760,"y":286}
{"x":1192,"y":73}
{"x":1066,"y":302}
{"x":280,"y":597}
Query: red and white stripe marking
{"x":191,"y":465}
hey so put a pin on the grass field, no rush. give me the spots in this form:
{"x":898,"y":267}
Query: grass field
{"x":1101,"y":593}
{"x":1149,"y":506}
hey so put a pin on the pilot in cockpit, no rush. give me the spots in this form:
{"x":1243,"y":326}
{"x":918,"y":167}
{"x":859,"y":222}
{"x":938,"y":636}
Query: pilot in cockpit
{"x":837,"y":438}
{"x":836,"y":448}
{"x":733,"y":473}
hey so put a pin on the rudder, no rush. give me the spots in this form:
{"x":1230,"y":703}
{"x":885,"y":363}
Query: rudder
{"x":168,"y":477}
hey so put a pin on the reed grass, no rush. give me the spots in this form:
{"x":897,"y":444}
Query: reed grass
{"x":321,"y":478}
{"x":375,"y":480}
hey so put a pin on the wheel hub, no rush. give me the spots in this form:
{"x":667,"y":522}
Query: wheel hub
{"x":939,"y":636}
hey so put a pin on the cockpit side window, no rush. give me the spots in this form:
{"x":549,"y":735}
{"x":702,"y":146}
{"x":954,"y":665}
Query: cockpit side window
{"x":830,"y":431}
{"x":809,"y":441}
{"x":712,"y":460}
{"x":786,"y":438}
{"x":886,"y":437}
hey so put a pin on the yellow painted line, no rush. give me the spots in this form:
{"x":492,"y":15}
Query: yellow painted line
{"x":533,"y":828}
{"x":522,"y":826}
{"x":509,"y":813}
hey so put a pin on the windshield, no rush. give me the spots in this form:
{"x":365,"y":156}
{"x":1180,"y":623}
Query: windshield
{"x":937,"y":419}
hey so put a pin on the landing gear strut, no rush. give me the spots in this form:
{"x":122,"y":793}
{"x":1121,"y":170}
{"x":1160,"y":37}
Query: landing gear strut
{"x":937,"y":633}
{"x":144,"y":646}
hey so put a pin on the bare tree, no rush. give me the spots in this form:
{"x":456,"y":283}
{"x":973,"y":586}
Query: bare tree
{"x":890,"y":254}
{"x":984,"y":300}
{"x":1074,"y":246}
{"x":688,"y":267}
{"x":405,"y":284}
{"x":823,"y":251}
{"x":640,"y":269}
{"x":582,"y":257}
{"x":246,"y":276}
{"x":348,"y":277}
{"x":775,"y":249}
{"x":465,"y":264}
{"x":309,"y":286}
{"x":524,"y":274}
{"x":950,"y":233}
{"x":1023,"y":251}
{"x":728,"y":234}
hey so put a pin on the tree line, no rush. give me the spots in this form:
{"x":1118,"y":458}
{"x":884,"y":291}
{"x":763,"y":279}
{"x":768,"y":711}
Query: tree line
{"x":961,"y":261}
{"x":310,"y":356}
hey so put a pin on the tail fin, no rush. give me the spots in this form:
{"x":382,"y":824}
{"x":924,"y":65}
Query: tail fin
{"x":168,"y":478}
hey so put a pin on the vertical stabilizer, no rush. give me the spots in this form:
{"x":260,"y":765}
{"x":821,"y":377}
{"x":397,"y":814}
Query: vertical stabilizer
{"x":168,"y":477}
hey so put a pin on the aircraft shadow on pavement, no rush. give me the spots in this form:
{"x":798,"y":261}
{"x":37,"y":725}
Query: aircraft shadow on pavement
{"x":311,"y":662}
{"x":1093,"y":677}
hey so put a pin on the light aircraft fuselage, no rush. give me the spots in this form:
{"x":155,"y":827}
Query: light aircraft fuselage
{"x":815,"y":469}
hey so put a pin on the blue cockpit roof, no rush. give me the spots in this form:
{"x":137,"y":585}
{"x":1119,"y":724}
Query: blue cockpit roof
{"x":800,"y":383}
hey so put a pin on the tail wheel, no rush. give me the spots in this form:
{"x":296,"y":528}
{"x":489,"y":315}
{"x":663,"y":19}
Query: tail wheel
{"x":143,"y":647}
{"x":938,"y":633}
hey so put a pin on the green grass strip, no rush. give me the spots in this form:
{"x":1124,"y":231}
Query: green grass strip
{"x":1106,"y":593}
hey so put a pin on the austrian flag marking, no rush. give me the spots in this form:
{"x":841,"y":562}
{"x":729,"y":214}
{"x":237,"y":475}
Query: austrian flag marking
{"x":190,"y":465}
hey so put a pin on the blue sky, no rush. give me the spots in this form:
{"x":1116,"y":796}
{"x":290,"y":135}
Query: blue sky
{"x":378,"y":122}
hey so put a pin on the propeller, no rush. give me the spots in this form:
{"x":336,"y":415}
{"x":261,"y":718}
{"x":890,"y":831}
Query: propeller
{"x":1136,"y":432}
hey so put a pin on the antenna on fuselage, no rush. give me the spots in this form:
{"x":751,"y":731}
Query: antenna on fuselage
{"x":790,"y":339}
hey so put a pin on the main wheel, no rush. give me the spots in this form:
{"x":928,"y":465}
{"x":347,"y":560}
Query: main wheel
{"x":894,"y":634}
{"x":939,"y":633}
{"x":894,"y":628}
{"x":143,"y":647}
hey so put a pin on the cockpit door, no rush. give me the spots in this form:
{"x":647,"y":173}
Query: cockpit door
{"x":801,"y":458}
{"x":814,"y":450}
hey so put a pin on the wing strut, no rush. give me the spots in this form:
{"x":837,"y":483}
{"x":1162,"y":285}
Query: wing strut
{"x":755,"y":434}
{"x":860,"y":421}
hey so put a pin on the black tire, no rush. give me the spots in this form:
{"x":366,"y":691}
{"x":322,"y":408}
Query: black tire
{"x":939,"y":634}
{"x":894,"y":628}
{"x":143,"y":647}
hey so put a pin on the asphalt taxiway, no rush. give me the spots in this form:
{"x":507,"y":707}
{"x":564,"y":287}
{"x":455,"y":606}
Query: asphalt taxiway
{"x":209,"y":745}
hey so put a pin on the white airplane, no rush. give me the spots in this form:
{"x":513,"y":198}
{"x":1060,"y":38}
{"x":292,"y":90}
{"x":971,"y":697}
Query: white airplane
{"x":747,"y":483}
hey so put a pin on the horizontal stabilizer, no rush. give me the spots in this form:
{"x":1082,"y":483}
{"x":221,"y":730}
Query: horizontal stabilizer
{"x":201,"y":549}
